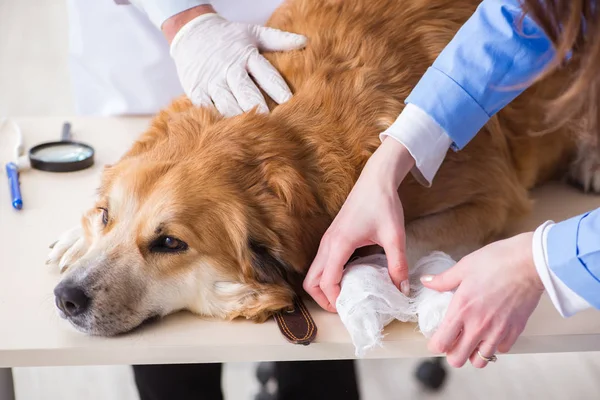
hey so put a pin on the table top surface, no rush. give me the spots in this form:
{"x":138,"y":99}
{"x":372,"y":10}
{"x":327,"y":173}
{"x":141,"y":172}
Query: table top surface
{"x":31,"y":333}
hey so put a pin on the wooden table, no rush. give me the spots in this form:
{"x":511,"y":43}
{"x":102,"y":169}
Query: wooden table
{"x":31,"y":333}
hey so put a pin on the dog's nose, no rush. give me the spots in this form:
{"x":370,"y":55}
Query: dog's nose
{"x":71,"y":300}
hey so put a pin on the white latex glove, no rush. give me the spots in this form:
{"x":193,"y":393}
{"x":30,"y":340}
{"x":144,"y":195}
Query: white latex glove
{"x":214,"y":57}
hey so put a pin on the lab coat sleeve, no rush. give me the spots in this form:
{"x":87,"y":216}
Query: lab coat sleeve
{"x":489,"y":62}
{"x":573,"y":248}
{"x":159,"y":11}
{"x":424,"y":139}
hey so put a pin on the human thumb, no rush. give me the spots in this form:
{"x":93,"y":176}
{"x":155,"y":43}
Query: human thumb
{"x":270,"y":39}
{"x":444,"y":282}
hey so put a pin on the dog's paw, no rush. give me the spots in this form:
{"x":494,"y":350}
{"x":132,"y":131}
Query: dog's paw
{"x":585,"y":170}
{"x":67,"y":249}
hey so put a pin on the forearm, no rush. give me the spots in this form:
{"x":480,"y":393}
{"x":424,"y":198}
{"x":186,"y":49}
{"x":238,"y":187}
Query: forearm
{"x":573,"y":248}
{"x":488,"y":63}
{"x":564,"y":299}
{"x":392,"y":160}
{"x":172,"y":25}
{"x":161,"y":11}
{"x":567,"y":257}
{"x":425,"y":141}
{"x":491,"y":60}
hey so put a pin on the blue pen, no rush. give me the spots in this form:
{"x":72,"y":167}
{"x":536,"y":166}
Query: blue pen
{"x":13,"y":181}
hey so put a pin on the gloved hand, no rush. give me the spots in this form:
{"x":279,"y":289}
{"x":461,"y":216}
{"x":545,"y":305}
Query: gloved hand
{"x":214,"y":57}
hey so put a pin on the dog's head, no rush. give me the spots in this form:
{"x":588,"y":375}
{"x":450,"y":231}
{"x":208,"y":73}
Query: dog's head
{"x":192,"y":219}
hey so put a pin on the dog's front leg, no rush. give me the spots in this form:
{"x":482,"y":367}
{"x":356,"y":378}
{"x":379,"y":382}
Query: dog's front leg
{"x":585,"y":169}
{"x":457,"y":231}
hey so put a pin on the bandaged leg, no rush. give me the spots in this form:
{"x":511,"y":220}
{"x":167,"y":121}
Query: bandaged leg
{"x":368,"y":300}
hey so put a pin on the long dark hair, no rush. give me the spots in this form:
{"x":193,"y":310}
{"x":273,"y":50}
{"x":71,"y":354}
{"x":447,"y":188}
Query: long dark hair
{"x":574,"y":28}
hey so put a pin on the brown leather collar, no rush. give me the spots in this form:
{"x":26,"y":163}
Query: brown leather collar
{"x":297,"y":325}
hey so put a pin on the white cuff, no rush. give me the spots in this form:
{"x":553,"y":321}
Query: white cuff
{"x":159,"y":11}
{"x":424,"y":139}
{"x":566,"y":301}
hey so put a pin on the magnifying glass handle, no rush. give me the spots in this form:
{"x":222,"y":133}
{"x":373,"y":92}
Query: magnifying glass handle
{"x":15,"y":189}
{"x":66,"y":132}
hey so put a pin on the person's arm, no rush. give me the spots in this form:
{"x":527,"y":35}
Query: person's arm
{"x":565,"y":300}
{"x":490,"y":61}
{"x":572,"y":249}
{"x":563,"y":259}
{"x":472,"y":78}
{"x":218,"y":61}
{"x":159,"y":11}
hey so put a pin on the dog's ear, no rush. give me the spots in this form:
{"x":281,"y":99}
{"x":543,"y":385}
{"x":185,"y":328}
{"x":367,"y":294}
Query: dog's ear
{"x":268,"y":267}
{"x":266,"y":283}
{"x":254,"y":301}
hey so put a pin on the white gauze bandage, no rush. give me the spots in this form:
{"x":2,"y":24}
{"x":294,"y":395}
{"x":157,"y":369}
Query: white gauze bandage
{"x":368,"y":299}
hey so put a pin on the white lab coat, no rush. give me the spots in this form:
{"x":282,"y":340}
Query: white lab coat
{"x":120,"y":62}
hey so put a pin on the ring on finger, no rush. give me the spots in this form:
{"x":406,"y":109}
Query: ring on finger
{"x":491,"y":358}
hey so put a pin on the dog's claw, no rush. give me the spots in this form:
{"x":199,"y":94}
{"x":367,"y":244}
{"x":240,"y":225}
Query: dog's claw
{"x":53,"y":244}
{"x":48,"y":261}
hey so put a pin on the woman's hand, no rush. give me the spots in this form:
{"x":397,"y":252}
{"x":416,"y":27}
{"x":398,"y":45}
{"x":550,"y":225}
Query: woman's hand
{"x":498,"y":289}
{"x":372,"y":214}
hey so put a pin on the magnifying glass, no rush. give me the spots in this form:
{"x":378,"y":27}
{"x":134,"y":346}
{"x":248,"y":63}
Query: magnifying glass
{"x":65,"y":155}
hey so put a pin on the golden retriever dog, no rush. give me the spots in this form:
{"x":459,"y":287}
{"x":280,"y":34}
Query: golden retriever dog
{"x":223,"y":216}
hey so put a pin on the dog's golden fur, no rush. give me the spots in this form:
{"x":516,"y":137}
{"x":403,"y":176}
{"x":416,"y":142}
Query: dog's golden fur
{"x":252,"y":195}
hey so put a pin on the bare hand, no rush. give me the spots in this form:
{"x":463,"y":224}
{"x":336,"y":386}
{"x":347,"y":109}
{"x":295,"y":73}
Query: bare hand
{"x":371,"y":215}
{"x":498,"y":290}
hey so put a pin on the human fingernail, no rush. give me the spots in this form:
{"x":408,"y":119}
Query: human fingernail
{"x":405,"y":288}
{"x":427,"y":278}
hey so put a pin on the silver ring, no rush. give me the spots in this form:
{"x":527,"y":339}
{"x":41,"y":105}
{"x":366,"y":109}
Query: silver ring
{"x":491,"y":358}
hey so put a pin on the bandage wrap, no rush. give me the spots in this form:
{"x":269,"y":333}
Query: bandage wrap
{"x":369,"y":301}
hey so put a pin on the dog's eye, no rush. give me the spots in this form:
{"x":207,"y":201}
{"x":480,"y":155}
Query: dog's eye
{"x":104,"y":215}
{"x":168,"y":244}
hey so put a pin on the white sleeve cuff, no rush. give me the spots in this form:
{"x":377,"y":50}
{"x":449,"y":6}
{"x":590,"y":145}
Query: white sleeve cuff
{"x":159,"y":11}
{"x":566,"y":301}
{"x":424,"y":139}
